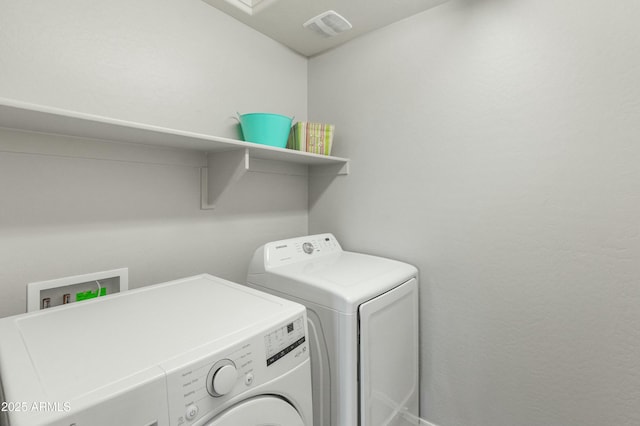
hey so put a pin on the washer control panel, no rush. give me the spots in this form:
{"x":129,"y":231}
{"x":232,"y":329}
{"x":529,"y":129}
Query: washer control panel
{"x":194,"y":390}
{"x":297,"y":249}
{"x":284,"y":340}
{"x":199,"y":385}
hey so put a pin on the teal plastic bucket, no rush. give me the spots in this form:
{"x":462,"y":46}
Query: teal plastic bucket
{"x":265,"y":128}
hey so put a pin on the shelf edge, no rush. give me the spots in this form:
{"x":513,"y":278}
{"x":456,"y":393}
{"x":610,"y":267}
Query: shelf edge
{"x":33,"y":116}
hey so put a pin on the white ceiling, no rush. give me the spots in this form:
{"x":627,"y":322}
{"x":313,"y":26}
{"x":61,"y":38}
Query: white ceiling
{"x":282,"y":19}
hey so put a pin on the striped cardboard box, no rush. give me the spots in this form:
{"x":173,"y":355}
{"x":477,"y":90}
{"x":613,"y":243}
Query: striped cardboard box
{"x":316,"y":138}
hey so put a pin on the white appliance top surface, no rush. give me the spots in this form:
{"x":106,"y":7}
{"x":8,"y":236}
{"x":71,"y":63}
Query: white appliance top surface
{"x":329,"y":276}
{"x":80,"y":347}
{"x":342,"y":281}
{"x":340,"y":270}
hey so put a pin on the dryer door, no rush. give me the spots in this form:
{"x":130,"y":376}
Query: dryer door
{"x":389,"y":357}
{"x":259,"y":411}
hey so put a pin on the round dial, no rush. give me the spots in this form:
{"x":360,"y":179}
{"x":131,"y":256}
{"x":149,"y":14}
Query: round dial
{"x":222,"y":378}
{"x":307,"y":248}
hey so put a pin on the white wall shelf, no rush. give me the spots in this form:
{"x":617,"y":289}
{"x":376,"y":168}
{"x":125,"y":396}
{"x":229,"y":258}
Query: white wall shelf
{"x":228,"y":159}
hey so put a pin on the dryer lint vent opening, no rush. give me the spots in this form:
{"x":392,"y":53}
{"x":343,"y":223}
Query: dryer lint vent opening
{"x":328,"y":24}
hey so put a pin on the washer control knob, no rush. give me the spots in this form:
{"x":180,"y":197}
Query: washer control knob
{"x":224,"y":378}
{"x":307,"y":248}
{"x":192,"y":412}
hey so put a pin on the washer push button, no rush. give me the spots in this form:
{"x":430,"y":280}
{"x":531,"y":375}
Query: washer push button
{"x":248,"y":379}
{"x":192,"y":412}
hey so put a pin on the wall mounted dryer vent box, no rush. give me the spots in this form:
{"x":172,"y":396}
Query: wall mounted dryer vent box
{"x":61,"y":291}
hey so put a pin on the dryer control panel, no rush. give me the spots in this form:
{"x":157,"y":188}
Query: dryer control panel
{"x":201,"y":384}
{"x":293,"y":250}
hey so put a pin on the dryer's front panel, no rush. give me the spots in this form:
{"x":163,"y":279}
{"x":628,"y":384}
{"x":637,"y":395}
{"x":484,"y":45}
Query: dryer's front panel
{"x":389,"y":357}
{"x":259,"y":411}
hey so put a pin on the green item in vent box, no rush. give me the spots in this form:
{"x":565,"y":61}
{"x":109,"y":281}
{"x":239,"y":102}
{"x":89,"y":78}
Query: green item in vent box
{"x":90,"y":294}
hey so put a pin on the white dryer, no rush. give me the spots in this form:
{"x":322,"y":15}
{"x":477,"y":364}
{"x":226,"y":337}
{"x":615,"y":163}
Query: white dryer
{"x":363,"y":327}
{"x":192,"y":352}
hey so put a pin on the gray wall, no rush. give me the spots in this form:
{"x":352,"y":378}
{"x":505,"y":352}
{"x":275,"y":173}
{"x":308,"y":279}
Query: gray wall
{"x":89,"y":206}
{"x":494,"y":144}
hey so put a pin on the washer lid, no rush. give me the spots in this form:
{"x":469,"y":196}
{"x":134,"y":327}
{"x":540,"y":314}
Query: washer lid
{"x":329,"y":276}
{"x":260,"y":411}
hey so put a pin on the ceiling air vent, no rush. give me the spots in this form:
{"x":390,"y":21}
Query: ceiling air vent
{"x":328,"y":24}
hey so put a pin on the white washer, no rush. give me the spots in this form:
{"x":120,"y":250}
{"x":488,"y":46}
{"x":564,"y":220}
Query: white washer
{"x":363,"y":327}
{"x":192,"y":352}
